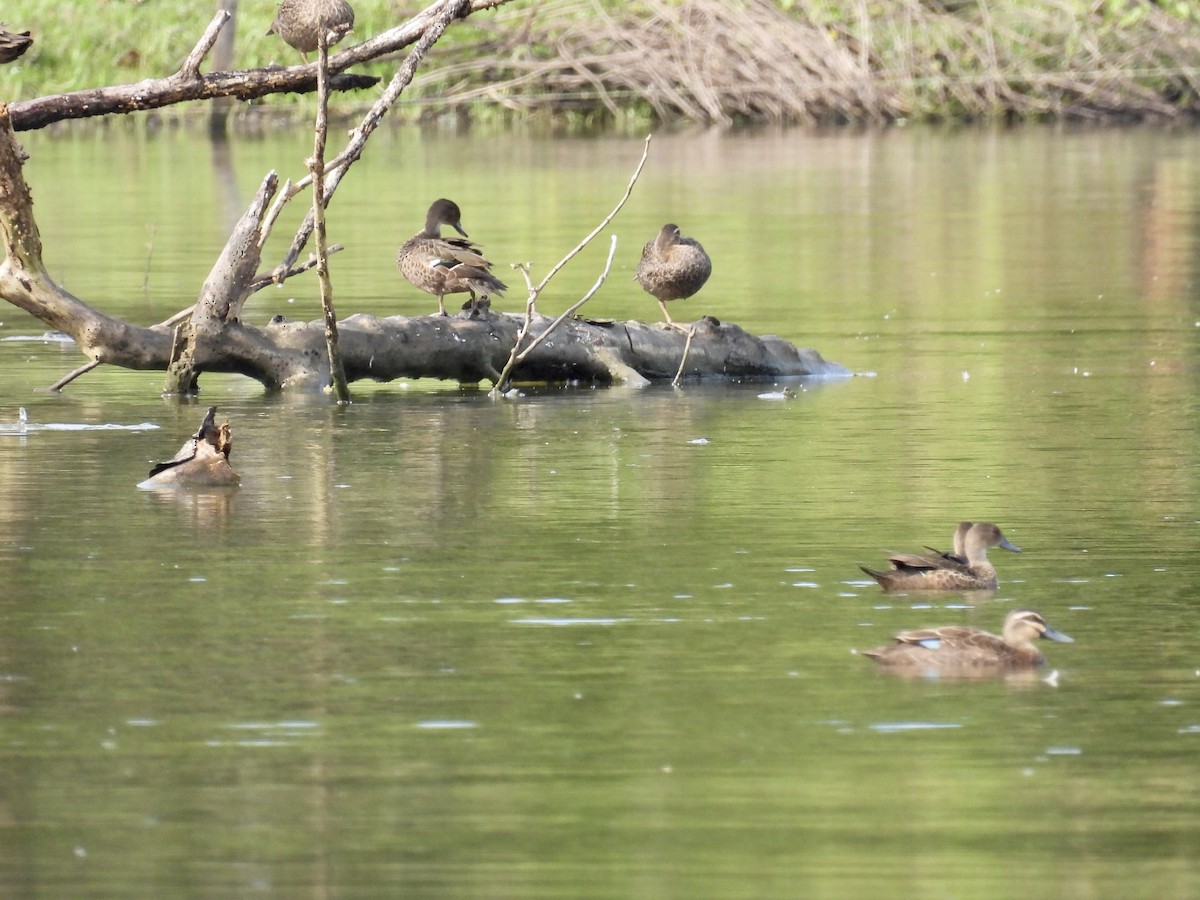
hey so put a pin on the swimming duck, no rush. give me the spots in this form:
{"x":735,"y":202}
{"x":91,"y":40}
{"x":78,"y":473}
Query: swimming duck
{"x":13,"y":44}
{"x":299,"y":22}
{"x":959,"y":648}
{"x":672,"y":267}
{"x":203,"y":461}
{"x":913,"y":572}
{"x":441,"y":266}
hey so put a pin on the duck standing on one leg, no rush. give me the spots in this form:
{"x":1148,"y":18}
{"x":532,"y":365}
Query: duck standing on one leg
{"x":958,"y":649}
{"x":912,"y":572}
{"x":441,"y":266}
{"x":672,"y":267}
{"x":299,"y":23}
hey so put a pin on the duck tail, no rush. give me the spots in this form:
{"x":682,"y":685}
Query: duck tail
{"x":878,"y":576}
{"x":481,"y":281}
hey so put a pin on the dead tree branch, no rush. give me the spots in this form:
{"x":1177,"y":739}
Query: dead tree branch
{"x":187,"y":84}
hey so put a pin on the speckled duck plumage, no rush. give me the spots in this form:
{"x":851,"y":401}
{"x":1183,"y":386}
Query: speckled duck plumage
{"x":440,"y":266}
{"x":913,"y":572}
{"x":300,"y":22}
{"x":672,"y":267}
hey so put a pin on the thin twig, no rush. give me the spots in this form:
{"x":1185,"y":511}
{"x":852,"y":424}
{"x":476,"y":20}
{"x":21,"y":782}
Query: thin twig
{"x":149,"y":258}
{"x":337,"y":372}
{"x":71,"y":376}
{"x":604,"y":224}
{"x":191,"y":65}
{"x":687,"y":346}
{"x":518,"y":353}
{"x":570,"y":311}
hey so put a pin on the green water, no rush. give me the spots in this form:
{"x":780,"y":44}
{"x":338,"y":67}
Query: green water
{"x":597,"y":643}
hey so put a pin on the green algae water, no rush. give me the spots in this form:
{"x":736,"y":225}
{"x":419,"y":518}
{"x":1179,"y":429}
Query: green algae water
{"x":598,"y":642}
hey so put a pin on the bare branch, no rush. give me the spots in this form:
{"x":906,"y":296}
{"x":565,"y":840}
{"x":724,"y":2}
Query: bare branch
{"x":188,"y":85}
{"x":191,"y":65}
{"x":531,"y":302}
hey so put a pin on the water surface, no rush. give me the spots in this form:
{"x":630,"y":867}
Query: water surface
{"x":597,"y":643}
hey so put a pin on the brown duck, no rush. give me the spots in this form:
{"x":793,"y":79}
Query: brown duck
{"x":961,"y":649}
{"x":913,"y":572}
{"x":441,"y":266}
{"x":300,"y":22}
{"x":203,"y":461}
{"x":672,"y":267}
{"x":13,"y":44}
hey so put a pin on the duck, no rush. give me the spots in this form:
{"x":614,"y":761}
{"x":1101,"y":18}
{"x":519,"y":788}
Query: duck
{"x":672,"y":267}
{"x":441,"y":266}
{"x":13,"y":44}
{"x":963,"y":649}
{"x":203,"y":460}
{"x":299,"y":22}
{"x":913,"y":572}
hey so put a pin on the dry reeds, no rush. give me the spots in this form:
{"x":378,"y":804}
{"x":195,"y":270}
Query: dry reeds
{"x":732,"y":61}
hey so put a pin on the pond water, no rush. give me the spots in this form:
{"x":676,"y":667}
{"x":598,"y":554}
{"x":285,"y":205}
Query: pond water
{"x":597,"y":642}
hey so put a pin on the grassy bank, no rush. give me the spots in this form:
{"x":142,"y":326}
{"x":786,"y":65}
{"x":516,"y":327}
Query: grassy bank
{"x":712,"y":61}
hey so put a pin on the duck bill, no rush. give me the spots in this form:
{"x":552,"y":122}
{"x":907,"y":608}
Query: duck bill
{"x":457,"y":226}
{"x":1006,"y":544}
{"x":1056,"y":635}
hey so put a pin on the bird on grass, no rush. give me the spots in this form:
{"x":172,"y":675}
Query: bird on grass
{"x":962,"y":650}
{"x":672,"y":267}
{"x":913,"y":572}
{"x":440,"y":266}
{"x":299,"y":23}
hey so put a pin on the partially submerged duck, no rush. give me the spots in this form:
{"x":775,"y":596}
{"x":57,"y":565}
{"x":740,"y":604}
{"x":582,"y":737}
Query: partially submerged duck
{"x":299,"y":23}
{"x":672,"y":267}
{"x":441,"y":266}
{"x":913,"y":572}
{"x":961,"y":649}
{"x":203,"y":461}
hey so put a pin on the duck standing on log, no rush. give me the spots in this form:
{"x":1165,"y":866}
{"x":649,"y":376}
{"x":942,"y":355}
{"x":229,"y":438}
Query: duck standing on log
{"x":441,"y":266}
{"x":300,"y":22}
{"x":672,"y":267}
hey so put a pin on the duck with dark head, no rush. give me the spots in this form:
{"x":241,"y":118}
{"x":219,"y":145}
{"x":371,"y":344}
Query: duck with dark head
{"x":440,"y":265}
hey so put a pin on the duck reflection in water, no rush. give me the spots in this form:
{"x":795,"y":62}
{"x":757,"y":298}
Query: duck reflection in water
{"x":965,"y":651}
{"x":967,"y":569}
